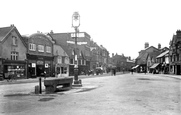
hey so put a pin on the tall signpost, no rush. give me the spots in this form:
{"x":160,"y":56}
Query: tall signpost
{"x":75,"y":25}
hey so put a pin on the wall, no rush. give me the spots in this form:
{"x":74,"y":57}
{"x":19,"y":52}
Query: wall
{"x":7,"y":47}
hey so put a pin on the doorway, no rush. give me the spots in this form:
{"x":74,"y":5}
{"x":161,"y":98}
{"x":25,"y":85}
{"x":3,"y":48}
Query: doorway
{"x":178,"y":70}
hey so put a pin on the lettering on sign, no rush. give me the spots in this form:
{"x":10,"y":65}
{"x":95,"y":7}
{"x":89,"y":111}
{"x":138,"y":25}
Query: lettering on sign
{"x":39,"y":62}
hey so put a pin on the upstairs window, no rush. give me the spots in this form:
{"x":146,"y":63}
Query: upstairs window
{"x":40,"y":48}
{"x":71,"y":61}
{"x":14,"y":40}
{"x":32,"y":47}
{"x":14,"y":55}
{"x":59,"y":60}
{"x":63,"y":59}
{"x":48,"y":49}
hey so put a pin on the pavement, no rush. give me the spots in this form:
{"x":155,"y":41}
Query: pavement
{"x":33,"y":80}
{"x":137,"y":94}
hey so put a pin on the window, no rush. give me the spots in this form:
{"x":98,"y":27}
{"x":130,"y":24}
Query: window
{"x":32,"y":47}
{"x":59,"y":60}
{"x":40,"y":48}
{"x":71,"y":61}
{"x":82,"y":62}
{"x":14,"y":55}
{"x":63,"y":59}
{"x":14,"y":40}
{"x":79,"y":62}
{"x":48,"y":49}
{"x":73,"y":52}
{"x":64,"y":70}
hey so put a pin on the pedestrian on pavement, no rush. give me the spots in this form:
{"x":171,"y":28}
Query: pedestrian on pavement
{"x":132,"y":71}
{"x":114,"y":72}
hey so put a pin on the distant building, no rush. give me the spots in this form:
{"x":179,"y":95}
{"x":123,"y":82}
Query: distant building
{"x":147,"y":57}
{"x":175,"y":54}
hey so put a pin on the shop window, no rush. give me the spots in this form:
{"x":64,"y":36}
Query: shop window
{"x":14,"y":55}
{"x":18,"y":71}
{"x":40,"y":48}
{"x":14,"y":40}
{"x":48,"y":49}
{"x":32,"y":47}
{"x":63,"y":70}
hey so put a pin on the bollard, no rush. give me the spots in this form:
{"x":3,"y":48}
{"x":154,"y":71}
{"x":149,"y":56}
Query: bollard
{"x":36,"y":89}
{"x":40,"y":90}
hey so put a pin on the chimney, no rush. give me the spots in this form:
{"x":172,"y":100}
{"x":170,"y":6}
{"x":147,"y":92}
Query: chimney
{"x":12,"y":25}
{"x":146,"y":45}
{"x":178,"y":34}
{"x":159,"y":46}
{"x":51,"y":32}
{"x":112,"y":54}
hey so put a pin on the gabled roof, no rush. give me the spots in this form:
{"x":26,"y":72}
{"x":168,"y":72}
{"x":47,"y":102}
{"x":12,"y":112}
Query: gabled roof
{"x":151,"y":47}
{"x":4,"y":32}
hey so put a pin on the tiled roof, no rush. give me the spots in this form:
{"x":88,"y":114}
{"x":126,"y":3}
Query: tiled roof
{"x":25,"y":39}
{"x":61,"y":39}
{"x":4,"y":31}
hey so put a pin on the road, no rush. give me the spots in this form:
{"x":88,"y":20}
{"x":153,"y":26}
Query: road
{"x":126,"y":94}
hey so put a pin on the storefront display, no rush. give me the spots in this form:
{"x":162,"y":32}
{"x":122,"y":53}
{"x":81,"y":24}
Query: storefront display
{"x":17,"y":70}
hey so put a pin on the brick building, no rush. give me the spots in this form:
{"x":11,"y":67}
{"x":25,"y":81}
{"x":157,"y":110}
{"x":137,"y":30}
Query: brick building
{"x":12,"y":53}
{"x":40,"y":55}
{"x":175,"y":54}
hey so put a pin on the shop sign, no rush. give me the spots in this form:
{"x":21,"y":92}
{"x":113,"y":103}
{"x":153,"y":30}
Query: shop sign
{"x":39,"y":62}
{"x":33,"y":65}
{"x":46,"y":65}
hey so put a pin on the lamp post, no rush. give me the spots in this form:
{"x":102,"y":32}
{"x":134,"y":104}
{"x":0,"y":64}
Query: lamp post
{"x":75,"y":25}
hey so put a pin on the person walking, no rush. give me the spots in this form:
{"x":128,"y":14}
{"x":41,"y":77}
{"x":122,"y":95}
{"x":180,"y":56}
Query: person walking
{"x":131,"y":71}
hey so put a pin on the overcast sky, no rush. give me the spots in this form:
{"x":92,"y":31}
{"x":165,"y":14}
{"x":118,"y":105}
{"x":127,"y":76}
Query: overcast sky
{"x":121,"y":26}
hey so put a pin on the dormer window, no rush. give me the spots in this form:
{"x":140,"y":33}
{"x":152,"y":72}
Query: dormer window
{"x":48,"y":49}
{"x":40,"y":48}
{"x":32,"y":47}
{"x":14,"y":40}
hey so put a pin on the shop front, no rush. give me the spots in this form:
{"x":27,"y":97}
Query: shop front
{"x":62,"y":70}
{"x":1,"y":69}
{"x":15,"y":68}
{"x":40,"y":66}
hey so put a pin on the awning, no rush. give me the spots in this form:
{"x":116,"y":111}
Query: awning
{"x":135,"y":67}
{"x":163,"y":54}
{"x":154,"y":65}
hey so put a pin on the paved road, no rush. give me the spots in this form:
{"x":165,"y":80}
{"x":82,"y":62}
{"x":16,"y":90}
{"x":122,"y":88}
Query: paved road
{"x":126,"y":94}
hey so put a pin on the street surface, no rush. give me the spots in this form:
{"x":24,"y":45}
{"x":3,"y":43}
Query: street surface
{"x":126,"y":94}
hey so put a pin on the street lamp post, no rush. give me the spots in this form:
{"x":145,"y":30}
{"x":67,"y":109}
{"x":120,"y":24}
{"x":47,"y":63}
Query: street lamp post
{"x":75,"y":25}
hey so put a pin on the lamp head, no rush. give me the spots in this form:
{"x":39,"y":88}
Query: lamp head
{"x":75,"y":20}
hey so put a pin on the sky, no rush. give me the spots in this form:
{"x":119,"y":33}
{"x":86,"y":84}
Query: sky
{"x":121,"y":26}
